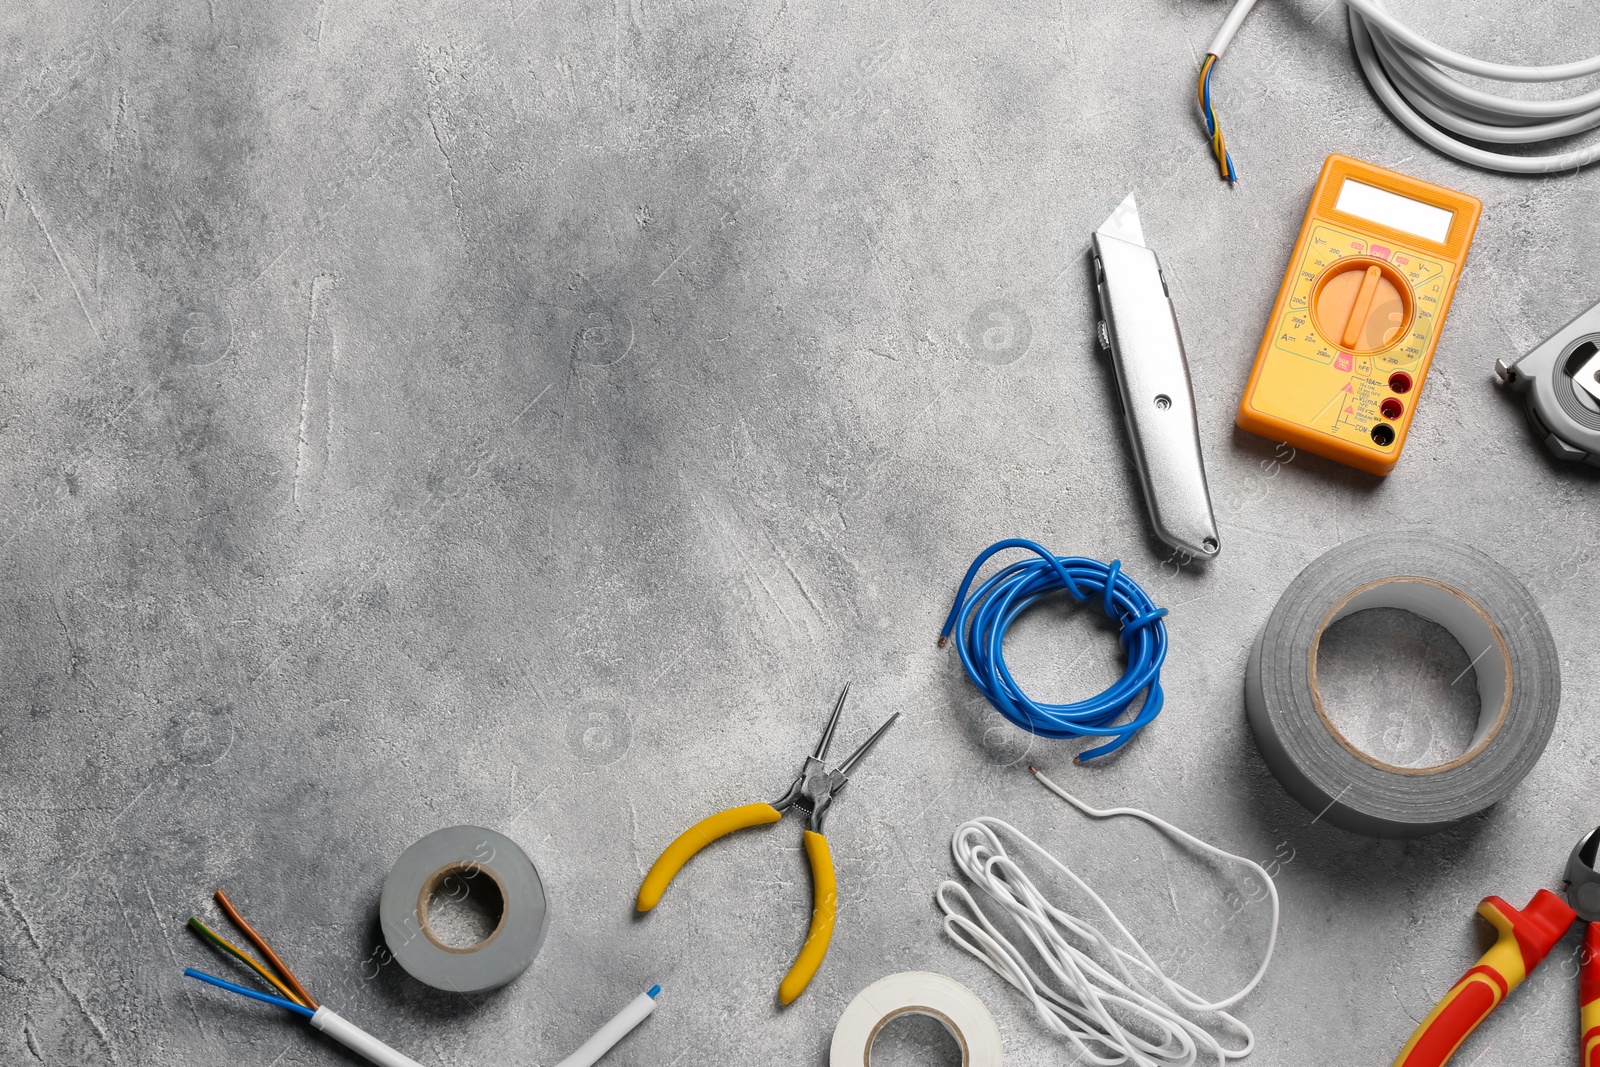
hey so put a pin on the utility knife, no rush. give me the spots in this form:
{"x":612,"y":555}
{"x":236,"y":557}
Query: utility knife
{"x":1139,"y":327}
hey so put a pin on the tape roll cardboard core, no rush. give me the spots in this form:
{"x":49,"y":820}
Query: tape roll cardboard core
{"x":928,"y":1013}
{"x":468,"y":873}
{"x":916,"y":993}
{"x":1465,"y":620}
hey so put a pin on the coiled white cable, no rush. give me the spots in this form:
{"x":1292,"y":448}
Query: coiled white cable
{"x":1408,"y":72}
{"x":1112,"y":1015}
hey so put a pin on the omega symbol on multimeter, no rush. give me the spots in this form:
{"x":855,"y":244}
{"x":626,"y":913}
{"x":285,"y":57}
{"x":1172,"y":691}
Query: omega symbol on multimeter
{"x":1354,"y":328}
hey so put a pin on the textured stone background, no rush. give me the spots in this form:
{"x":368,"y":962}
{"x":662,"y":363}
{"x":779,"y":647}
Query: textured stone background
{"x":529,"y":412}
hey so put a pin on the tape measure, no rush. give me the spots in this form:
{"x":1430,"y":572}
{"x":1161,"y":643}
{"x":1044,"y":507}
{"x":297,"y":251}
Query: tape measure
{"x":1358,"y":315}
{"x":1560,"y":383}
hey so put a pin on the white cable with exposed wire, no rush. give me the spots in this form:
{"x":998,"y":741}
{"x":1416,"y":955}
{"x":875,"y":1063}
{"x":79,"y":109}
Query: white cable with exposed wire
{"x":1109,"y":998}
{"x":1411,"y":76}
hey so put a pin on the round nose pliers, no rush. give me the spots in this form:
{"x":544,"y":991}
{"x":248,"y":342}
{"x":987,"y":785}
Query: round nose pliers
{"x":812,"y":792}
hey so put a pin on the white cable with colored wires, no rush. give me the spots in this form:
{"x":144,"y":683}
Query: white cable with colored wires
{"x":1115,"y":1005}
{"x":1411,"y":76}
{"x":359,"y":1041}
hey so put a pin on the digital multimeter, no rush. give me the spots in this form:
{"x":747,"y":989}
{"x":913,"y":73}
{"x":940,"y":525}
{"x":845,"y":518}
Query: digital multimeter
{"x":1359,"y":313}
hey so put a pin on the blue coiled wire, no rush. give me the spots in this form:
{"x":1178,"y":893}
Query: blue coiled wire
{"x":981,"y":622}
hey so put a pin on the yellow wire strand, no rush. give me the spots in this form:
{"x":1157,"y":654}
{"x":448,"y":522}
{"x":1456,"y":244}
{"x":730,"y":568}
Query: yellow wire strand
{"x":274,"y":960}
{"x":1219,"y":147}
{"x":234,"y":950}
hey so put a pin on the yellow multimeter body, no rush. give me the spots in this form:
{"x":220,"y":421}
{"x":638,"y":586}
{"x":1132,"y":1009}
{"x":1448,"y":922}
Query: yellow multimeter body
{"x":1359,"y":313}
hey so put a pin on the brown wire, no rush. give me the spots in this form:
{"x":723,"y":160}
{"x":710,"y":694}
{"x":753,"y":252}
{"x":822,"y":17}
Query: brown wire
{"x":266,"y":950}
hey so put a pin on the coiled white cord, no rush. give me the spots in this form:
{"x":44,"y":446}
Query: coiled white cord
{"x":1404,"y":69}
{"x":1111,"y":1015}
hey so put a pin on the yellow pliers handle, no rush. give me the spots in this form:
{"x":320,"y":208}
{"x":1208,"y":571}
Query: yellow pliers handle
{"x":695,"y":838}
{"x":824,"y":908}
{"x":824,"y":885}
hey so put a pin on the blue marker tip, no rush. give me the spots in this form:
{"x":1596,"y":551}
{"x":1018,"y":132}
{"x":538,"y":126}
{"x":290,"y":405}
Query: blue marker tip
{"x":655,"y":991}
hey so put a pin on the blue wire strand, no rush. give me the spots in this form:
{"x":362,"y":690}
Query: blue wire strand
{"x":265,"y":998}
{"x":1211,"y":124}
{"x":980,"y":623}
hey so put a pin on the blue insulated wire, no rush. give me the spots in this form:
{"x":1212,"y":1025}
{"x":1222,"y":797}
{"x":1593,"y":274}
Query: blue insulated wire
{"x":1211,"y":124}
{"x":265,"y":998}
{"x":980,"y":623}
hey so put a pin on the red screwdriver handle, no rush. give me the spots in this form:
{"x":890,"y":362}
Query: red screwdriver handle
{"x":1526,"y":937}
{"x":1589,"y":997}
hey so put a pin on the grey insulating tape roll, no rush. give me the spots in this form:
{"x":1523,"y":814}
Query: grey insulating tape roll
{"x":1482,"y":605}
{"x":468,"y":852}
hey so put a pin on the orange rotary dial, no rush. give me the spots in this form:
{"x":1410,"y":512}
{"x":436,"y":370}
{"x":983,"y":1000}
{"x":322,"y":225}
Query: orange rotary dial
{"x":1363,"y":305}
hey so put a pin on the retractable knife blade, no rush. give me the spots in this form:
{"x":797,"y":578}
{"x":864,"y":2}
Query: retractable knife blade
{"x":1139,"y":326}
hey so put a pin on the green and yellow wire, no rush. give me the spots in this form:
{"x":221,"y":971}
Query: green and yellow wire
{"x":243,"y":957}
{"x":1219,"y":147}
{"x":273,"y":959}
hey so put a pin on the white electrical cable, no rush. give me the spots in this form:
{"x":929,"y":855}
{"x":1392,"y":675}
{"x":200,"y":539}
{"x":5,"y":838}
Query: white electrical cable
{"x":1408,"y":72}
{"x":632,"y":1014}
{"x":1111,"y":1017}
{"x":1230,"y":26}
{"x":359,"y":1041}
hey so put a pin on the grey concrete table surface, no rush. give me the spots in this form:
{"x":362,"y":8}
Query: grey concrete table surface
{"x":528,"y":413}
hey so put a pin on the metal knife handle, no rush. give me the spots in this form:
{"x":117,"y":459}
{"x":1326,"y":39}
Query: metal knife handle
{"x":1140,"y":326}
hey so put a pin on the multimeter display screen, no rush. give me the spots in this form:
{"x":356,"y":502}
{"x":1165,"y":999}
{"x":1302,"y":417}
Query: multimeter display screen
{"x":1393,"y":210}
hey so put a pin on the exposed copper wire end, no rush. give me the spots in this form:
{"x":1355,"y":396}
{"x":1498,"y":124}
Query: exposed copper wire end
{"x":266,"y":950}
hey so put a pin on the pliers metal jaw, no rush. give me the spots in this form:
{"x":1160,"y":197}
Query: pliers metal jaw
{"x":813,"y":792}
{"x":817,"y":784}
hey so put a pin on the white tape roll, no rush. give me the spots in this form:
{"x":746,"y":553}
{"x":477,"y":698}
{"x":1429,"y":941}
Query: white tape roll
{"x":916,"y":993}
{"x":1482,"y":605}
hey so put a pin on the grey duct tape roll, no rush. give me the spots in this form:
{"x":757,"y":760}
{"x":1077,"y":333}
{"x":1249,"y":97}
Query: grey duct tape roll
{"x":1482,"y":605}
{"x":469,"y":852}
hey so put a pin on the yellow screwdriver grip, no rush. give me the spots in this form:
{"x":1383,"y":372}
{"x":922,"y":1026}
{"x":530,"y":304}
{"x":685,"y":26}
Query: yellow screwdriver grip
{"x":695,"y":838}
{"x":824,"y":908}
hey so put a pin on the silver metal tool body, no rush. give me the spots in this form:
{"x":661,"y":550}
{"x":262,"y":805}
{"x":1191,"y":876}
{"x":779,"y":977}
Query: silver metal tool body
{"x":1140,"y":327}
{"x":818,"y":783}
{"x":1560,"y":384}
{"x":1583,"y":880}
